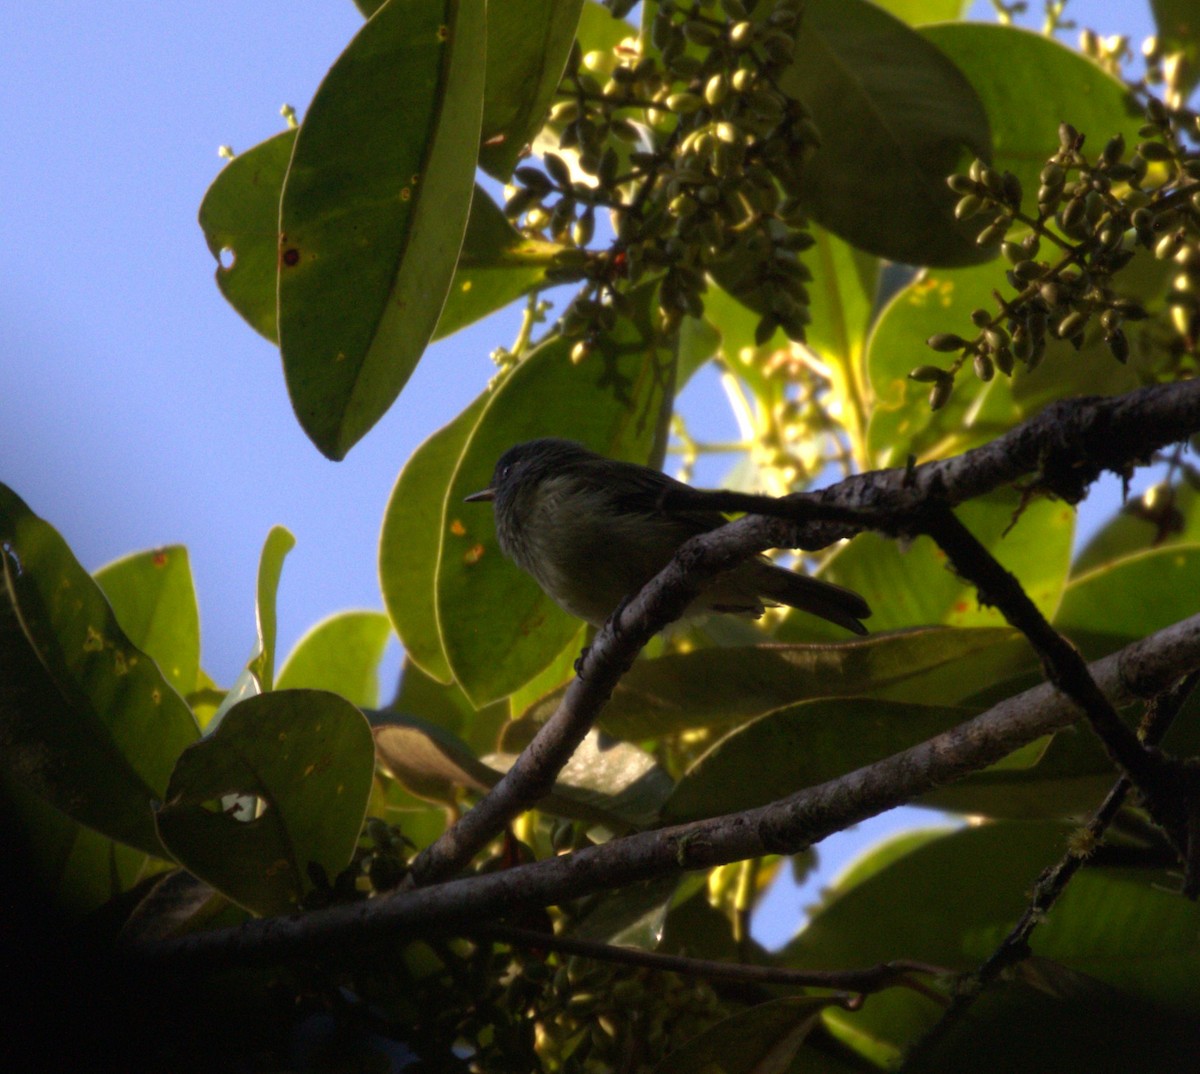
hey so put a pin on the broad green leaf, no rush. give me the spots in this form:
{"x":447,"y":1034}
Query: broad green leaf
{"x":87,"y":720}
{"x":1029,"y":84}
{"x":527,"y":46}
{"x":895,"y":118}
{"x":497,"y":264}
{"x":278,"y":544}
{"x":1105,"y":924}
{"x":914,"y":587}
{"x":240,"y":219}
{"x":373,"y":212}
{"x":444,"y":705}
{"x":411,"y":541}
{"x":341,"y":654}
{"x":917,"y":12}
{"x":942,"y":301}
{"x":1123,"y":601}
{"x":307,"y":757}
{"x":1130,"y":929}
{"x":1128,"y":532}
{"x":721,"y":686}
{"x":800,"y":746}
{"x":599,"y":30}
{"x":154,"y":600}
{"x":498,"y":629}
{"x":762,"y":1040}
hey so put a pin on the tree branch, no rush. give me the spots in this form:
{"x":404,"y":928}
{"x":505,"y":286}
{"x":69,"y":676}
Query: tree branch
{"x":1067,"y":445}
{"x":1160,"y":713}
{"x":788,"y":826}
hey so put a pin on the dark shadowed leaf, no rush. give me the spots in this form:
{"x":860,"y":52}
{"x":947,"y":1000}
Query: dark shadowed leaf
{"x":87,"y":720}
{"x":895,"y":118}
{"x":1029,"y":84}
{"x":306,"y":757}
{"x":798,"y":747}
{"x":721,"y":686}
{"x":762,"y":1040}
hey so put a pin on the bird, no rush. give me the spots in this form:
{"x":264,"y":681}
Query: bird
{"x":592,"y":531}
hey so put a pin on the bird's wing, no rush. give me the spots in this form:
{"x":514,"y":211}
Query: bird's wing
{"x":642,"y":493}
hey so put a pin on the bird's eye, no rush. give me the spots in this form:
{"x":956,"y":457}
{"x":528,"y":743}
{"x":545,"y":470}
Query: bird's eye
{"x":506,"y":471}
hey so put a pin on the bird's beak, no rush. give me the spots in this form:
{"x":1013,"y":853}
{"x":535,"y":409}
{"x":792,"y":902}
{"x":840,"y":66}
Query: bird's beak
{"x":476,"y":497}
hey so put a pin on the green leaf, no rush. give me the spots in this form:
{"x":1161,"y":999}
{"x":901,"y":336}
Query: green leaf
{"x":801,"y":746}
{"x":895,"y":118}
{"x":278,"y":544}
{"x":446,"y":706}
{"x":721,"y":686}
{"x":308,"y":758}
{"x":527,"y":43}
{"x":916,"y":12}
{"x":341,"y":654}
{"x":942,"y":300}
{"x":411,"y":541}
{"x":762,"y":1040}
{"x":154,"y":599}
{"x":1105,"y":925}
{"x":914,"y":587}
{"x":87,"y":720}
{"x":1029,"y":84}
{"x":240,"y":219}
{"x":598,"y":30}
{"x":843,"y":301}
{"x":1130,"y":598}
{"x":497,"y":264}
{"x":428,"y":760}
{"x":615,"y":781}
{"x":373,"y":212}
{"x":498,"y":629}
{"x":76,"y":866}
{"x":911,"y":909}
{"x":620,"y":786}
{"x":1128,"y":532}
{"x":1178,"y":23}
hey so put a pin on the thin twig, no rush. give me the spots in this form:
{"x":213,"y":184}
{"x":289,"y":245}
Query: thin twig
{"x":871,"y":979}
{"x":1160,"y":713}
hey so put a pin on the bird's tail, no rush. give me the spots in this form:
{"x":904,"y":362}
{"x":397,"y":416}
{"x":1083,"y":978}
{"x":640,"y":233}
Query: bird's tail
{"x":833,"y":602}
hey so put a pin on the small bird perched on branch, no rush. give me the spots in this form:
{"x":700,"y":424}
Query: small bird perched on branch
{"x":592,"y":531}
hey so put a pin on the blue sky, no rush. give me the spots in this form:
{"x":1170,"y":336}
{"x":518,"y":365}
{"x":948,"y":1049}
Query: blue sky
{"x":137,"y":409}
